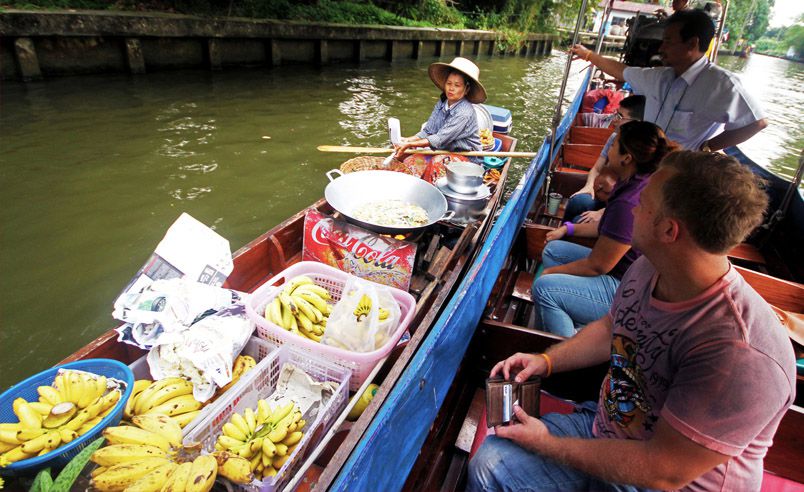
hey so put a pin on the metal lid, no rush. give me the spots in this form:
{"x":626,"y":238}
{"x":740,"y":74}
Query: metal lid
{"x":482,"y":193}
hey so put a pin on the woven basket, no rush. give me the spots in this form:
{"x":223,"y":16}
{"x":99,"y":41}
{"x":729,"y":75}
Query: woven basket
{"x":363,"y":163}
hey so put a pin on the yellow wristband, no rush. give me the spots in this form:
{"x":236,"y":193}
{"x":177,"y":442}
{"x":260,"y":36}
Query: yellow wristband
{"x":549,"y":364}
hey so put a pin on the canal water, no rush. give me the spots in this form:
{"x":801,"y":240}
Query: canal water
{"x":93,"y":169}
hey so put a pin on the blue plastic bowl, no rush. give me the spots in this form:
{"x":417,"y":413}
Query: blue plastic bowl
{"x":63,"y":454}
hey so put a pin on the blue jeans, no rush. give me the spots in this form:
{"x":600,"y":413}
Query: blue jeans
{"x":566,"y":303}
{"x":501,"y":464}
{"x":579,"y":204}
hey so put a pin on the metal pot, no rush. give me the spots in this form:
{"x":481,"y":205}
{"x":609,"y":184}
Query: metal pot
{"x":467,"y":208}
{"x":464,"y":177}
{"x":350,"y":191}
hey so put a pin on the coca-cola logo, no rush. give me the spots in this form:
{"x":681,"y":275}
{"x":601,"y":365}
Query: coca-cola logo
{"x":325,"y":232}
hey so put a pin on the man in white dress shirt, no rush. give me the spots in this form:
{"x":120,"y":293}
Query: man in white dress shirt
{"x":697,"y":104}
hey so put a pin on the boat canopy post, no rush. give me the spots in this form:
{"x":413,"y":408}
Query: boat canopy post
{"x":557,"y":112}
{"x":600,"y":35}
{"x":778,"y":215}
{"x":719,"y":32}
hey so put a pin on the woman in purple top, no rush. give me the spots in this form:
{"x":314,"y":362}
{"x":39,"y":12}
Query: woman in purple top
{"x":578,"y":283}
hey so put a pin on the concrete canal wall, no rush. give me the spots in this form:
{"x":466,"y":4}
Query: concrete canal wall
{"x":46,"y":44}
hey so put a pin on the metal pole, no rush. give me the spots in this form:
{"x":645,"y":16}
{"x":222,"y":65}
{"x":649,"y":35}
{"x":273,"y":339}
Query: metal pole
{"x":600,"y":35}
{"x":719,"y":34}
{"x":557,"y":113}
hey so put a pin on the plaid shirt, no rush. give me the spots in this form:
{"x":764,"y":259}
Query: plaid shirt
{"x":452,"y":129}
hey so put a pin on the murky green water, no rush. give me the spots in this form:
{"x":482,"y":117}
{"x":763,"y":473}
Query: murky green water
{"x":94,"y":169}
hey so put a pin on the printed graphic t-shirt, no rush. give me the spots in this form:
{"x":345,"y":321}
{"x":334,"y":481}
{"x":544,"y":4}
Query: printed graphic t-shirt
{"x":718,"y":368}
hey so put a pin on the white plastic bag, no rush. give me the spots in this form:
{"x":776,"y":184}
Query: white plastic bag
{"x":363,"y":319}
{"x":203,"y":353}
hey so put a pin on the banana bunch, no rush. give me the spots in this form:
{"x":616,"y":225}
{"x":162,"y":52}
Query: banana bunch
{"x":149,"y":456}
{"x":170,"y":396}
{"x":76,"y":403}
{"x":266,"y":437}
{"x":301,"y":308}
{"x":486,"y":137}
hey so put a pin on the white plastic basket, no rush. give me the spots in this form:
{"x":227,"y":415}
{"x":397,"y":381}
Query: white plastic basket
{"x":257,"y":348}
{"x":359,"y":363}
{"x":261,"y":384}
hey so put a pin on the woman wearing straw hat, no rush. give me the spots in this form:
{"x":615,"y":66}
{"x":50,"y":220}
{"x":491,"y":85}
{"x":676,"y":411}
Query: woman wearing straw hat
{"x":453,"y":123}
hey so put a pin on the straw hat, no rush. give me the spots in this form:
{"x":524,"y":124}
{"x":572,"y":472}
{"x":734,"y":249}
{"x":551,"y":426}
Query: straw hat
{"x":440,"y":71}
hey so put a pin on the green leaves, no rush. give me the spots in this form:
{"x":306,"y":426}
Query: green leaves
{"x":43,"y":481}
{"x":69,"y":474}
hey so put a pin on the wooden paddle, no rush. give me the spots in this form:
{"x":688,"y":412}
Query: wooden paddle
{"x":383,"y":150}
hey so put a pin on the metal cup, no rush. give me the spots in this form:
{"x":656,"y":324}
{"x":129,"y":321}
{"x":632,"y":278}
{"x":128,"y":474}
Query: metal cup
{"x":553,"y":201}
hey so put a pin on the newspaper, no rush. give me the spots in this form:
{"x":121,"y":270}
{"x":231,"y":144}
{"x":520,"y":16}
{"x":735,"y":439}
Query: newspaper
{"x":189,"y":250}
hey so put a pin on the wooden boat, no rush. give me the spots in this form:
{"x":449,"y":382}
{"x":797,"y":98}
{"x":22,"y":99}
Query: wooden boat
{"x":422,"y":436}
{"x":445,"y":253}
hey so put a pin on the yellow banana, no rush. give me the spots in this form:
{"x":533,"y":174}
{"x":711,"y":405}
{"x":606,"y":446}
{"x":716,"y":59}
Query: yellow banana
{"x":4,"y":447}
{"x":274,"y":311}
{"x":281,"y":449}
{"x":41,"y":408}
{"x":268,"y":448}
{"x":10,"y":426}
{"x":287,"y":317}
{"x":185,"y":418}
{"x":296,"y":282}
{"x":67,"y":435}
{"x":88,"y":425}
{"x":234,"y":467}
{"x":294,"y":327}
{"x":9,"y":436}
{"x":49,"y":394}
{"x":269,"y":472}
{"x":202,"y":474}
{"x":309,"y":332}
{"x":317,"y":301}
{"x":281,"y":413}
{"x":255,"y":462}
{"x":287,"y":303}
{"x":177,"y":406}
{"x":263,"y":411}
{"x":161,"y":425}
{"x":50,"y":440}
{"x":29,"y":418}
{"x":167,"y":393}
{"x":16,"y":454}
{"x":315,"y":290}
{"x":229,"y":442}
{"x":88,"y":391}
{"x":100,"y":386}
{"x":305,"y":324}
{"x":241,"y":424}
{"x":256,"y":444}
{"x":177,"y":481}
{"x":118,"y":477}
{"x":251,"y":420}
{"x":279,"y":462}
{"x":308,"y":309}
{"x":153,"y":480}
{"x":107,"y":401}
{"x":293,"y":438}
{"x":78,"y":388}
{"x":28,"y":434}
{"x":139,"y":386}
{"x":150,"y":392}
{"x":278,"y":434}
{"x":60,"y":385}
{"x":121,"y":453}
{"x":97,"y":471}
{"x":232,"y":431}
{"x":135,"y":435}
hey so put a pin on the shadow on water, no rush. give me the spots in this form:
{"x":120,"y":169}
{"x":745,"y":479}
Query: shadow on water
{"x":93,"y":169}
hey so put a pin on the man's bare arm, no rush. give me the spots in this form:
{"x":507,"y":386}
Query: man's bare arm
{"x":730,"y":138}
{"x":611,"y":67}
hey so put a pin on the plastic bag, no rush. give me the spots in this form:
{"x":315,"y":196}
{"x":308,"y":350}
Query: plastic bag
{"x":363,"y":319}
{"x":203,"y":353}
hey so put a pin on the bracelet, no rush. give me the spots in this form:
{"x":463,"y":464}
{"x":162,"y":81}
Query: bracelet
{"x":570,"y":228}
{"x":549,"y":364}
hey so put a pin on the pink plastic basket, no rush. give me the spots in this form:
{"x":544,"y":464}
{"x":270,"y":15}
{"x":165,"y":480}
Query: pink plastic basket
{"x":257,"y":348}
{"x":359,"y":363}
{"x":262,"y":384}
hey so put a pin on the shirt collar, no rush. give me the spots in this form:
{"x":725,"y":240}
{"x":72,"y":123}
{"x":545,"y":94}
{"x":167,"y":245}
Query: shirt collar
{"x":695,"y":70}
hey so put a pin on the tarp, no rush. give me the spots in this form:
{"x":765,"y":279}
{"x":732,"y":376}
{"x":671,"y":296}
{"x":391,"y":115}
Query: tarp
{"x":384,"y":456}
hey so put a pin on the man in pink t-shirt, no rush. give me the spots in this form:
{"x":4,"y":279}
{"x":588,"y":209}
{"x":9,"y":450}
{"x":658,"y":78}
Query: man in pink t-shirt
{"x":700,"y":369}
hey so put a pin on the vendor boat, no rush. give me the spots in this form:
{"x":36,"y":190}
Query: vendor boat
{"x":446,"y":250}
